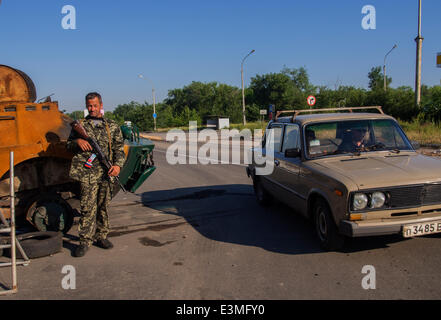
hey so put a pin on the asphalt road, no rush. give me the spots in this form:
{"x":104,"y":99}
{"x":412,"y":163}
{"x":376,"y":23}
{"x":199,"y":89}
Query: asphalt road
{"x":196,"y":232}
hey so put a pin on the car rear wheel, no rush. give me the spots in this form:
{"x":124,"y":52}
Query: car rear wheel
{"x":327,"y":232}
{"x":263,"y":197}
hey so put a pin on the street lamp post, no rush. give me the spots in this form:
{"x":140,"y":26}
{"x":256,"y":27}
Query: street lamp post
{"x":154,"y":100}
{"x":243,"y":90}
{"x":419,"y":40}
{"x":384,"y":67}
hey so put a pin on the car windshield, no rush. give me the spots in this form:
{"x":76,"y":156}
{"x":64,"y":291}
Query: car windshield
{"x":354,"y":137}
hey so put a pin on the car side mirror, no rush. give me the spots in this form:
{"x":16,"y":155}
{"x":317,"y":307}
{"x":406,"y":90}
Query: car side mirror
{"x":415,"y":144}
{"x":292,"y":153}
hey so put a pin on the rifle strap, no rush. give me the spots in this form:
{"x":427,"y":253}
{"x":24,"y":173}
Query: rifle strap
{"x":110,"y":140}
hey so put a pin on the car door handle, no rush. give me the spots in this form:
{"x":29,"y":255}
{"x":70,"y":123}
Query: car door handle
{"x":277,"y":162}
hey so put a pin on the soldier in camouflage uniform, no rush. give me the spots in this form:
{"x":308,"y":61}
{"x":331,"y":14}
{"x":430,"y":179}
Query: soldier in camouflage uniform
{"x":96,"y":183}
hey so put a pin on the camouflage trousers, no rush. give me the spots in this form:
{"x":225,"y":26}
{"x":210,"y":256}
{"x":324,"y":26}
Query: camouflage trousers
{"x":94,"y":220}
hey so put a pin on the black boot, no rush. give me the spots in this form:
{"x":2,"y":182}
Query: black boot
{"x":104,"y":243}
{"x":81,"y":250}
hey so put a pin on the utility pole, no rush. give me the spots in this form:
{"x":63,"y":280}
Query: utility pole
{"x":154,"y":100}
{"x":419,"y":40}
{"x":154,"y":109}
{"x":384,"y":68}
{"x":243,"y":90}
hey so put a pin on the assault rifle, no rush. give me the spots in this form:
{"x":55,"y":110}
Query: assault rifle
{"x":78,"y":128}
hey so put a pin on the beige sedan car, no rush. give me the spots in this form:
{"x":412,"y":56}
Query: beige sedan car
{"x":355,"y":174}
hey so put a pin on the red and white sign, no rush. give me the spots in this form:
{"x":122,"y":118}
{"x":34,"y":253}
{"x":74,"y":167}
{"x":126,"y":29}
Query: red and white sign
{"x":311,"y":100}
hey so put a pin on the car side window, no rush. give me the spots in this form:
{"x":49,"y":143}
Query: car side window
{"x":291,"y":138}
{"x":277,"y":133}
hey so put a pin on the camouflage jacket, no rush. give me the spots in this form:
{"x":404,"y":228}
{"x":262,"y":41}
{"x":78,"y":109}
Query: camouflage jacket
{"x":97,"y":171}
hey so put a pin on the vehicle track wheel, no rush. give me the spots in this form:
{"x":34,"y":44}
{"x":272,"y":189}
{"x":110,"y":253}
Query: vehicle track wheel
{"x":263,"y":197}
{"x":327,"y":232}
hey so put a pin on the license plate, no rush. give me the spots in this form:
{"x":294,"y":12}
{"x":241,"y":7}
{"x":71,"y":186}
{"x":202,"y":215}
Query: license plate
{"x":420,"y":229}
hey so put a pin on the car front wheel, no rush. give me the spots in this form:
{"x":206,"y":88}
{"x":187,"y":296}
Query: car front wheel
{"x":327,"y":232}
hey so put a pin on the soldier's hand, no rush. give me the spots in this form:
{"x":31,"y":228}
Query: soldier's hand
{"x":84,"y":145}
{"x":114,"y":171}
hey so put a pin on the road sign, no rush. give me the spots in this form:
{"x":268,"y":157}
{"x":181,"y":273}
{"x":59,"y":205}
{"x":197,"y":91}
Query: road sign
{"x":263,"y":112}
{"x":311,"y":100}
{"x":154,"y":115}
{"x":438,"y":60}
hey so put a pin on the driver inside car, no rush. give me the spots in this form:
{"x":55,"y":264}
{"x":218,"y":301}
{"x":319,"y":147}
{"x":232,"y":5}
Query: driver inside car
{"x":354,"y":140}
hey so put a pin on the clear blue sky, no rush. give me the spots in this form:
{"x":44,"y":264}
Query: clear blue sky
{"x":176,"y":42}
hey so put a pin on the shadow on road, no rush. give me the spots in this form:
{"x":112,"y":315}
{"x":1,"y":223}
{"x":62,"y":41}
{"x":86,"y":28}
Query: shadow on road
{"x":370,"y":243}
{"x":230,"y":213}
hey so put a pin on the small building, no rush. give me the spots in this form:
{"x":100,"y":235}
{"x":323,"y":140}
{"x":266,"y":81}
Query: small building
{"x":217,"y":122}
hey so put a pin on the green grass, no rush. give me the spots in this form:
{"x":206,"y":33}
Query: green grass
{"x":185,"y":128}
{"x":425,"y":133}
{"x":250,"y":125}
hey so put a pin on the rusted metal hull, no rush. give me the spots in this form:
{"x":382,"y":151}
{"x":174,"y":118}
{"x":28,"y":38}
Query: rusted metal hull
{"x":37,"y":133}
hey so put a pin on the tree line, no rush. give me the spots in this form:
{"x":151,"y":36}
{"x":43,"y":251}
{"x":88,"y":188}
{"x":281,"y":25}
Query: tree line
{"x":287,"y":89}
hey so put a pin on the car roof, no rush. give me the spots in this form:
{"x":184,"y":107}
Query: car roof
{"x":305,"y":118}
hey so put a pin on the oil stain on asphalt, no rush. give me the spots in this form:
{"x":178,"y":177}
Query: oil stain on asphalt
{"x":149,"y":228}
{"x":146,"y":241}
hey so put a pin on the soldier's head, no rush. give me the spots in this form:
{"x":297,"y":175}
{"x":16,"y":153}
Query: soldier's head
{"x":94,"y":104}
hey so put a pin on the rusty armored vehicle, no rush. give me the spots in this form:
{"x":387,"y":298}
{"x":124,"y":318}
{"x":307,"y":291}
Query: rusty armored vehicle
{"x":37,"y":134}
